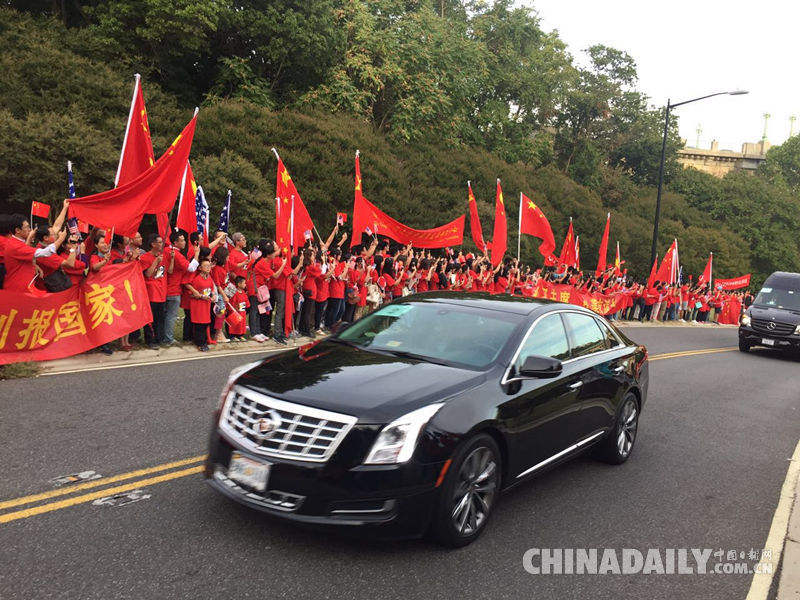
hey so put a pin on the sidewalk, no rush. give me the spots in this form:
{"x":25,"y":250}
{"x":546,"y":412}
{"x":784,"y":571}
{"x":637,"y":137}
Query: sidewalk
{"x":789,"y":583}
{"x":91,"y":361}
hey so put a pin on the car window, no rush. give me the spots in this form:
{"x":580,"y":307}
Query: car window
{"x":585,"y":335}
{"x":611,"y":339}
{"x":443,"y":332}
{"x":548,"y":338}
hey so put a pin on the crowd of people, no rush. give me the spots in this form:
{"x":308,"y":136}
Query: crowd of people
{"x":231,"y":291}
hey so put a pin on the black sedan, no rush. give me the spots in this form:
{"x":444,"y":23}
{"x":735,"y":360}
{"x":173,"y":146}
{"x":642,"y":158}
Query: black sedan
{"x":414,"y":418}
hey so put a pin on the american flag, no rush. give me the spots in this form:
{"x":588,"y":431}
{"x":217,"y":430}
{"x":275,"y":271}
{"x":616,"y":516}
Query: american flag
{"x":70,"y":181}
{"x":307,"y":234}
{"x":368,"y":231}
{"x":201,"y":210}
{"x":72,"y":225}
{"x":225,"y":215}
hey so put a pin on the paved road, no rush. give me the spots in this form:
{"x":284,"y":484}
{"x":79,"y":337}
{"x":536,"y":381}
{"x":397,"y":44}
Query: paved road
{"x":706,"y":473}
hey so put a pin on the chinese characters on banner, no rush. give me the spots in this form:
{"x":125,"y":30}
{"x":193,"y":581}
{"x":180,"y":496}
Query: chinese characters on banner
{"x":732,"y":284}
{"x":603,"y":304}
{"x":106,"y":306}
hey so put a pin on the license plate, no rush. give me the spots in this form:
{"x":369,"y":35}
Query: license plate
{"x":252,"y":473}
{"x":767,"y":342}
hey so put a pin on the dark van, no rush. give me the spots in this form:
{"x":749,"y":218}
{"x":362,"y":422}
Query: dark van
{"x":774,"y":318}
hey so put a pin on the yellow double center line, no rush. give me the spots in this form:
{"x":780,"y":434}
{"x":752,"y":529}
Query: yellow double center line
{"x":691,"y":353}
{"x":165,"y":470}
{"x":46,"y":501}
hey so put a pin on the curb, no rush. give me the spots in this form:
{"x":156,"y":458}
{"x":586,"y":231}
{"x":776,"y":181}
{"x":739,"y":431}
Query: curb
{"x":789,"y":583}
{"x":96,"y":361}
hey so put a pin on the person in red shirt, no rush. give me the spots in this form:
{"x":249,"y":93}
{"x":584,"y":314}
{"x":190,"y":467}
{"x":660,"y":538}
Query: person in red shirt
{"x":50,"y":264}
{"x":336,"y":289}
{"x":19,"y":255}
{"x":202,"y":290}
{"x":180,"y":267}
{"x":240,"y":265}
{"x":355,"y":289}
{"x":282,"y":293}
{"x":239,"y":303}
{"x":77,"y":270}
{"x":100,"y":257}
{"x":311,"y":272}
{"x":154,"y":270}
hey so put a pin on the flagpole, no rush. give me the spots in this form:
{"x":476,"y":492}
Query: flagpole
{"x":291,"y":226}
{"x":711,"y":270}
{"x":276,"y":153}
{"x":136,"y":78}
{"x":519,"y":226}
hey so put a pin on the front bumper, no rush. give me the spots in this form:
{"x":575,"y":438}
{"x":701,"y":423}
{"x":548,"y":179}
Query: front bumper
{"x":754,"y":338}
{"x":395,"y":500}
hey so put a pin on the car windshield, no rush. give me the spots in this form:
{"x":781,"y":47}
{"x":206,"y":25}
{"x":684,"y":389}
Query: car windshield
{"x":433,"y":332}
{"x":778,"y":298}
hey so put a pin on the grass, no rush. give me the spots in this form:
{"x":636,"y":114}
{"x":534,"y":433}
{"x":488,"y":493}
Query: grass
{"x":19,"y":370}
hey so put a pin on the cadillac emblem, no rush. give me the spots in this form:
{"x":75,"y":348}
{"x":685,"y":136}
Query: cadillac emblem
{"x":267,"y":425}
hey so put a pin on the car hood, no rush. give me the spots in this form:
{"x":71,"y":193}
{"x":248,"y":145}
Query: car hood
{"x":376,"y":388}
{"x":775,"y":314}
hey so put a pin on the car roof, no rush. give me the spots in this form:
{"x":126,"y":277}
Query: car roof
{"x":484,"y":300}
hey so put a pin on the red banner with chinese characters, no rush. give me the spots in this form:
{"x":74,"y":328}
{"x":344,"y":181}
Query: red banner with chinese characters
{"x":106,"y":306}
{"x":732,"y":284}
{"x":367,"y":216}
{"x":603,"y":304}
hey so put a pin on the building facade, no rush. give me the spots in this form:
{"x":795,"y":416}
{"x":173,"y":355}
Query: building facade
{"x":719,"y":163}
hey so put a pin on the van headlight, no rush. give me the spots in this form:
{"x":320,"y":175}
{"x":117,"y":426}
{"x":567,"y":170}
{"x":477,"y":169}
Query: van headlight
{"x":745,"y":320}
{"x":797,"y":330}
{"x":396,"y":442}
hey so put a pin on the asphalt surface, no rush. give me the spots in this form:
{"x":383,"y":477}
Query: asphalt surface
{"x":706,"y":472}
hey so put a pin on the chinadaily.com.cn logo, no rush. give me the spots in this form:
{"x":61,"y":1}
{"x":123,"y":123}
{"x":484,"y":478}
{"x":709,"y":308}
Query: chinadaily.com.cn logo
{"x":656,"y":561}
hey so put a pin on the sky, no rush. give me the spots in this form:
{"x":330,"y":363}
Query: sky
{"x":687,"y":49}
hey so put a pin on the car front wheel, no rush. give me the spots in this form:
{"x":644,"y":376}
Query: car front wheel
{"x":744,"y":346}
{"x":469,"y":493}
{"x":618,"y":444}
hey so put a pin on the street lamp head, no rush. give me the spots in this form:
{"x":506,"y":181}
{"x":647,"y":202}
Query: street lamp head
{"x":738,"y":93}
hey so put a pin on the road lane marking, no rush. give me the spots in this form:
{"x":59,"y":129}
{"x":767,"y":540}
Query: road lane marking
{"x":99,"y":482}
{"x":691,"y":353}
{"x":762,"y":581}
{"x":45,"y":508}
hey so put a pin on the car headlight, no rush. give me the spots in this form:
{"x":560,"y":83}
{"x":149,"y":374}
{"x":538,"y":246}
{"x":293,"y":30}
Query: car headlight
{"x":396,"y":441}
{"x":797,"y":330}
{"x":232,"y":377}
{"x":745,"y":320}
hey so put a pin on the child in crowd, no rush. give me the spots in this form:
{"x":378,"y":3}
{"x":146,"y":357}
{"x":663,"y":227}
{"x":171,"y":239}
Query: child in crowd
{"x":203,"y":294}
{"x":239,"y":302}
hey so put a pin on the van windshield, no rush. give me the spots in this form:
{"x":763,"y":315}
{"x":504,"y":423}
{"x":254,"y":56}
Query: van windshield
{"x":778,"y":298}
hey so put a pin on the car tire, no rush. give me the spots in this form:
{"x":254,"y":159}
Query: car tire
{"x":469,"y":493}
{"x":617,"y":446}
{"x":744,"y":346}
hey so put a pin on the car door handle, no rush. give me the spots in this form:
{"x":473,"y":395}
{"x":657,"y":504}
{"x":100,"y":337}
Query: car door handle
{"x":618,"y":370}
{"x":576,"y":385}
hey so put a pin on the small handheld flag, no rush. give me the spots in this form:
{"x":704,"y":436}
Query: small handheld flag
{"x":72,"y":225}
{"x":307,"y":234}
{"x":40,"y":209}
{"x":341,"y":218}
{"x":367,"y":230}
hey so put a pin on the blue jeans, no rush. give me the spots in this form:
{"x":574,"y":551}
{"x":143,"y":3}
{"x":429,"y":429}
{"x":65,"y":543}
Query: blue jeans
{"x":173,"y":306}
{"x":335,"y":311}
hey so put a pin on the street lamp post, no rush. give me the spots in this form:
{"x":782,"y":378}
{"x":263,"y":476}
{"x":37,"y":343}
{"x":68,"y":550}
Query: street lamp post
{"x":663,"y":159}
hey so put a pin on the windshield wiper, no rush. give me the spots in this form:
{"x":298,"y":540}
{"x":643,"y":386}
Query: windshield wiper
{"x":414,"y":356}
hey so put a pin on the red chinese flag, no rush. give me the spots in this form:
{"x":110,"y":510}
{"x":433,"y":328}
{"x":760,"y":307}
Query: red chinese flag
{"x":706,"y":276}
{"x":137,"y":148}
{"x":601,"y":258}
{"x":500,"y":235}
{"x":652,"y":279}
{"x":40,"y":209}
{"x":154,"y":191}
{"x":533,"y":222}
{"x":567,"y":256}
{"x":187,"y":213}
{"x":291,"y":217}
{"x":667,"y":271}
{"x":475,"y":222}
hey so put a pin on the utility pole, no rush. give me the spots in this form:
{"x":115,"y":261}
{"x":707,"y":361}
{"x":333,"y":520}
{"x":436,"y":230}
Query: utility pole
{"x":792,"y":119}
{"x":766,"y":120}
{"x":699,"y":131}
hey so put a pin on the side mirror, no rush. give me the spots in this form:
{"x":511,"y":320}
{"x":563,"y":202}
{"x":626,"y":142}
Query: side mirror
{"x":541,"y":366}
